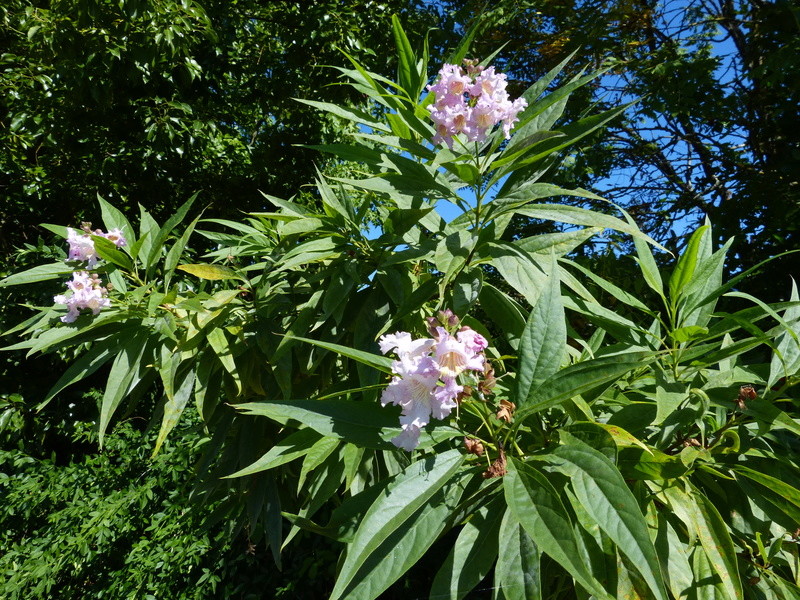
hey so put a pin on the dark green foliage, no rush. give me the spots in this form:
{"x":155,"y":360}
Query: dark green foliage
{"x":118,"y":524}
{"x":150,"y":101}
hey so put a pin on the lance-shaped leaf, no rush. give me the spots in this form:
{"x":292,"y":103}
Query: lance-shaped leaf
{"x":674,"y":560}
{"x":535,"y":503}
{"x":582,"y":377}
{"x":407,"y":544}
{"x":703,"y":520}
{"x":785,"y":496}
{"x":126,"y":372}
{"x":40,"y":273}
{"x":580,"y":216}
{"x":391,"y":511}
{"x":114,"y":219}
{"x":407,"y":61}
{"x":504,"y":312}
{"x":156,"y":241}
{"x":686,"y":264}
{"x":382,"y":363}
{"x":604,"y":495}
{"x":293,"y":446}
{"x":517,"y":575}
{"x":356,"y":116}
{"x":541,"y":347}
{"x":786,"y":358}
{"x":100,"y":353}
{"x":210,"y":272}
{"x":472,"y":555}
{"x":173,"y":408}
{"x":364,"y":423}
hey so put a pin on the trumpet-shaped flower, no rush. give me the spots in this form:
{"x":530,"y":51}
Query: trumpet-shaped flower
{"x":81,"y":246}
{"x":454,"y":357}
{"x":115,"y":235}
{"x":403,"y":345}
{"x":472,"y":340}
{"x":87,"y":292}
{"x":471,"y":103}
{"x":425,"y":382}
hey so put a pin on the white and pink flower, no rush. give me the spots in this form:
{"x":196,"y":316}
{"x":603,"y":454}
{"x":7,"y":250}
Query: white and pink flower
{"x":471,"y":103}
{"x":81,"y":245}
{"x":87,"y":293}
{"x":425,"y":376}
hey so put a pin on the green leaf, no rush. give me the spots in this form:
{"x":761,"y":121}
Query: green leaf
{"x":114,"y":219}
{"x":40,"y":273}
{"x":100,"y":353}
{"x":356,"y":116}
{"x":466,"y":290}
{"x":407,"y":61}
{"x":59,"y":230}
{"x":674,"y":560}
{"x":517,"y":575}
{"x":364,"y":423}
{"x":536,"y":505}
{"x":705,"y":522}
{"x":293,"y":446}
{"x":770,"y":417}
{"x":582,"y":377}
{"x":219,"y":343}
{"x":560,"y":243}
{"x":503,"y":311}
{"x":647,"y":264}
{"x":602,"y":492}
{"x":381,"y":363}
{"x":520,"y":270}
{"x":473,"y":553}
{"x":609,"y":287}
{"x":581,"y":216}
{"x":686,"y":265}
{"x":210,"y":271}
{"x":407,"y":544}
{"x":155,"y":242}
{"x":174,"y":254}
{"x":126,"y":372}
{"x":542,"y":151}
{"x":173,"y":408}
{"x":107,"y":250}
{"x":635,"y":463}
{"x":316,"y":456}
{"x":788,"y":492}
{"x":688,"y":333}
{"x":530,"y":191}
{"x":699,"y":293}
{"x":148,"y":230}
{"x":391,"y":511}
{"x":786,"y":357}
{"x":543,"y":341}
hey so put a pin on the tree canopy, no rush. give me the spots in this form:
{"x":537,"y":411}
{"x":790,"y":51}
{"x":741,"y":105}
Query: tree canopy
{"x":713,"y":132}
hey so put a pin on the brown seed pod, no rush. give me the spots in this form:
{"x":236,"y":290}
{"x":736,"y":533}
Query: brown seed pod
{"x":497,"y":468}
{"x":474,"y":446}
{"x":506,"y":411}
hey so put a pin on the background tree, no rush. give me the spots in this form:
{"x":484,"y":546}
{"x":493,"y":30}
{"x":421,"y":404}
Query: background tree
{"x":713,"y":133}
{"x":150,"y":101}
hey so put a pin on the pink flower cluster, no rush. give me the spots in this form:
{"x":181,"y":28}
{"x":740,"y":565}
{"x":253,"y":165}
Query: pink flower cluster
{"x":471,"y":102}
{"x":87,"y":292}
{"x":81,"y":246}
{"x":424,"y":384}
